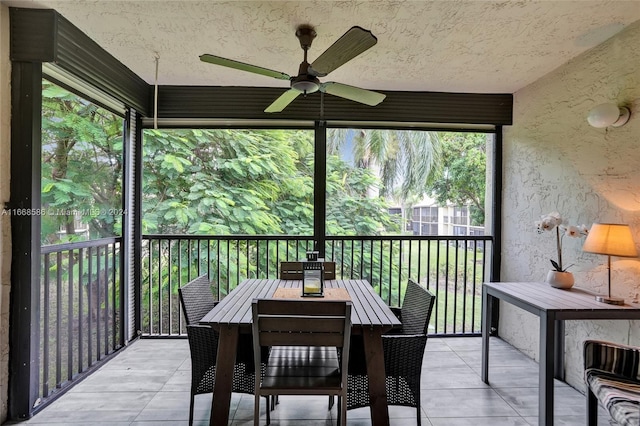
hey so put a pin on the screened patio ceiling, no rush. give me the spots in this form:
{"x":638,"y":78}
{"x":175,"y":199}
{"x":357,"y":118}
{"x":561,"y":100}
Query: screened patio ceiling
{"x":463,"y":47}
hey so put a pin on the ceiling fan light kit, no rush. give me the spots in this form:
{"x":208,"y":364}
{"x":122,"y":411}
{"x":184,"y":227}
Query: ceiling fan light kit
{"x":352,"y":43}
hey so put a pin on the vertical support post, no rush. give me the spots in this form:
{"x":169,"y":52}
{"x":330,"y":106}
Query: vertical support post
{"x":24,"y":327}
{"x":546,"y":366}
{"x":320,"y":186}
{"x":136,"y":215}
{"x":487,"y":305}
{"x":126,"y":246}
{"x":496,"y":224}
{"x":130,"y":288}
{"x":558,"y":355}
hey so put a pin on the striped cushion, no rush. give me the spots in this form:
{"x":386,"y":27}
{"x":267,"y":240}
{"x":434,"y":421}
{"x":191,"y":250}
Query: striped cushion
{"x":617,"y":359}
{"x":621,"y":397}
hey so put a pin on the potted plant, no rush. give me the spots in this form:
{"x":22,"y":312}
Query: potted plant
{"x":559,"y":277}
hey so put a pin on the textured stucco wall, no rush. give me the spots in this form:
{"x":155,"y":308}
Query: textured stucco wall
{"x":554,"y":161}
{"x":5,"y":249}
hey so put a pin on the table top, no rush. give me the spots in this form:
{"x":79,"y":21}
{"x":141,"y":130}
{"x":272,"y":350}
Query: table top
{"x":368,"y":309}
{"x":569,"y":303}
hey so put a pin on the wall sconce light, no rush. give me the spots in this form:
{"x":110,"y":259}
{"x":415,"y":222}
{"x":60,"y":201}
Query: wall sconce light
{"x":610,"y":239}
{"x":605,"y":115}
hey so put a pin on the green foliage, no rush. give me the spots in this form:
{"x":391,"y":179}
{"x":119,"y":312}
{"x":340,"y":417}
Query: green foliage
{"x":225,"y":182}
{"x":461,"y":179}
{"x":405,"y":159}
{"x":349,"y":210}
{"x":81,"y":167}
{"x":249,"y":182}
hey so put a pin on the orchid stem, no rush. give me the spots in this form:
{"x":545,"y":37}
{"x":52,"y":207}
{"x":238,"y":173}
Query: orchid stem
{"x":559,"y":246}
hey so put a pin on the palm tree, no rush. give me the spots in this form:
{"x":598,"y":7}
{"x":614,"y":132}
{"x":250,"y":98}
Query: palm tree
{"x":406,"y":161}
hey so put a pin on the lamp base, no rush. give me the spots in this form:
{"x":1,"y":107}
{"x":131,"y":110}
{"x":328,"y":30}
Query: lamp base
{"x":610,"y":300}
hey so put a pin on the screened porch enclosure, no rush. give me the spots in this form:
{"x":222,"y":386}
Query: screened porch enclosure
{"x":75,"y":304}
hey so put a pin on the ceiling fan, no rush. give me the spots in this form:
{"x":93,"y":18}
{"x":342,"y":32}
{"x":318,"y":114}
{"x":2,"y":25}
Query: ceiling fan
{"x":352,"y":43}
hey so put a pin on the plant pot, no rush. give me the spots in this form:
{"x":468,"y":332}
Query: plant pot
{"x":558,"y":279}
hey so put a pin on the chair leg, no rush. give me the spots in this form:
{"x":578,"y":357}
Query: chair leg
{"x":191,"y":409}
{"x":268,"y":412}
{"x":418,"y":415}
{"x":331,"y":401}
{"x":256,"y":410}
{"x":342,"y":406}
{"x":592,"y":408}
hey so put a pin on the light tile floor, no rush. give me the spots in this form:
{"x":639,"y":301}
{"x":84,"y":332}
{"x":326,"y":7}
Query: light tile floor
{"x":148,"y":384}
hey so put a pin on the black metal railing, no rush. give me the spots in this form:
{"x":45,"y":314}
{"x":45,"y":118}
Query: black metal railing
{"x":81,"y":310}
{"x":453,"y":267}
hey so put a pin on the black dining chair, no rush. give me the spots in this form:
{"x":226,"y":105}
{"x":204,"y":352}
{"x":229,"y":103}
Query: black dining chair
{"x":197,"y":300}
{"x":321,"y":326}
{"x":403,"y":353}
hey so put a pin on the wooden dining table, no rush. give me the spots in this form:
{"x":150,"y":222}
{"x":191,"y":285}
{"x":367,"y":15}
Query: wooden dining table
{"x":370,"y":318}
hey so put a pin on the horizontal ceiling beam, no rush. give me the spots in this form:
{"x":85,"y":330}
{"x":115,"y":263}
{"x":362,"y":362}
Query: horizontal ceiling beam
{"x":248,"y":103}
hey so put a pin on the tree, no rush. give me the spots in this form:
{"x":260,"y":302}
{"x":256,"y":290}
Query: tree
{"x":461,"y":179}
{"x":405,"y":161}
{"x":233,"y":182}
{"x":349,"y":210}
{"x":225,"y":181}
{"x":81,"y":165}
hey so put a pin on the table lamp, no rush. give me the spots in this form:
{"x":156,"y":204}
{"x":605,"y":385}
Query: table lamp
{"x":613,"y":240}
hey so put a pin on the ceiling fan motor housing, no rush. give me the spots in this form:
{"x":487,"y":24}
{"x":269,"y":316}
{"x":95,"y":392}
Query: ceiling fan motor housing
{"x":305,"y":82}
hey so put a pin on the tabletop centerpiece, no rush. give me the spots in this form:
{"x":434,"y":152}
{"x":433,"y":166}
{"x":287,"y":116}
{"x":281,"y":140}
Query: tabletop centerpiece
{"x":559,"y":277}
{"x":312,"y":276}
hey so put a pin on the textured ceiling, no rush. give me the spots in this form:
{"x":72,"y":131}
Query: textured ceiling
{"x":449,"y":46}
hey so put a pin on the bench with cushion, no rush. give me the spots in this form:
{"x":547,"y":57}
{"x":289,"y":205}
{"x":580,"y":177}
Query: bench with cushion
{"x":612,"y":377}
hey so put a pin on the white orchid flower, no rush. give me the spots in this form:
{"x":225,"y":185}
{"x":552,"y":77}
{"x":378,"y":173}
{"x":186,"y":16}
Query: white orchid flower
{"x":553,"y":221}
{"x":572,"y":231}
{"x":548,"y":223}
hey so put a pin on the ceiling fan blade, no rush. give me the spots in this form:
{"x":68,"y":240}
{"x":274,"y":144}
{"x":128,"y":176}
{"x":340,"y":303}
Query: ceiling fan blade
{"x":356,"y":94}
{"x":285,"y":99}
{"x":352,"y":43}
{"x":217,"y":60}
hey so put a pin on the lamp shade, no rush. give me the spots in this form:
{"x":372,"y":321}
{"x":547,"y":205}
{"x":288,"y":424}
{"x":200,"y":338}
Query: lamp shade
{"x":612,"y":239}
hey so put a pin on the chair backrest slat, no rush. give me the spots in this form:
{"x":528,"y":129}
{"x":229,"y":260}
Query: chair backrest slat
{"x":416,"y":309}
{"x":290,"y":270}
{"x":301,"y":324}
{"x":196,"y":299}
{"x":301,"y":307}
{"x":301,"y":339}
{"x":329,"y":270}
{"x":308,"y":322}
{"x":293,"y":270}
